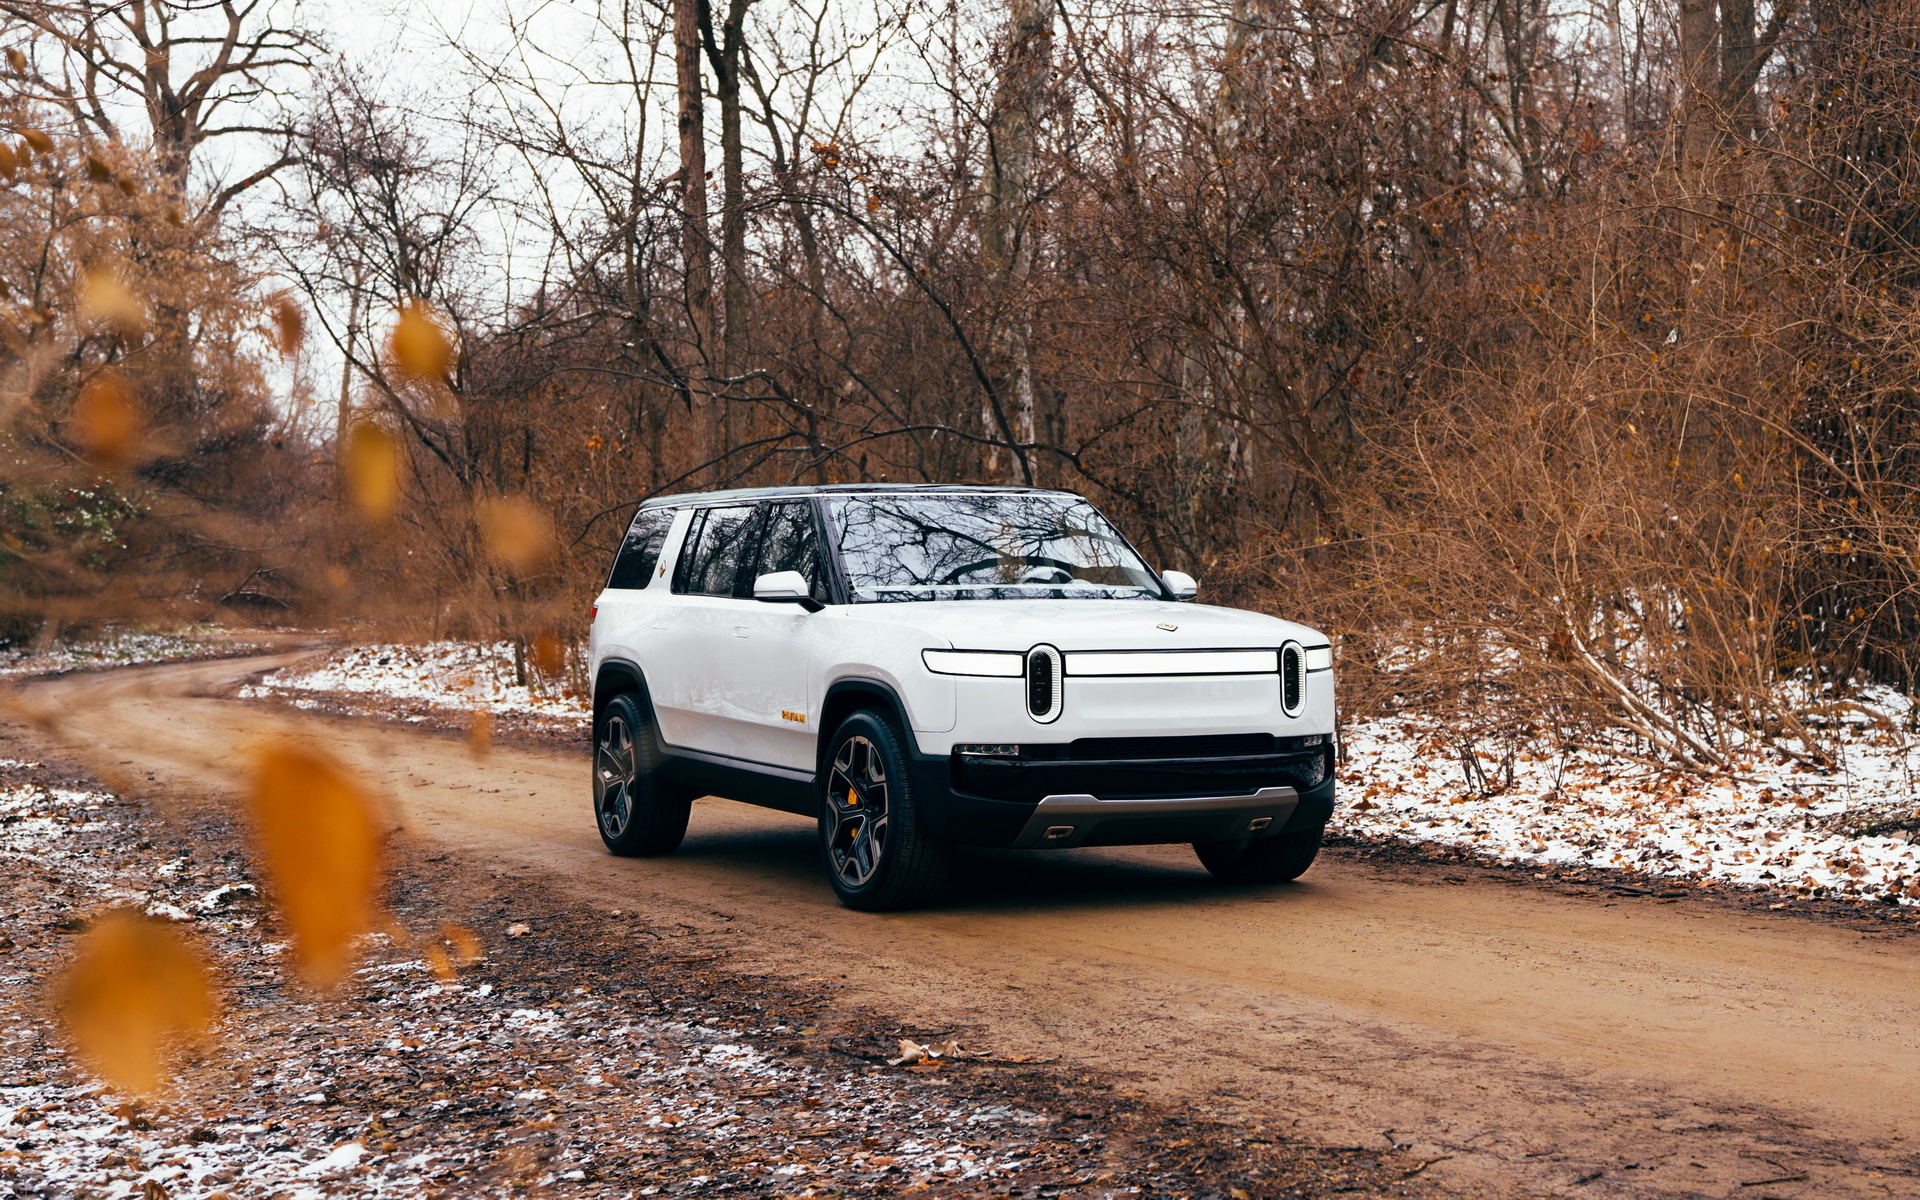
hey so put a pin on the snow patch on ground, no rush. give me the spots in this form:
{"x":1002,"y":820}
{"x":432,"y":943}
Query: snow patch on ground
{"x":1780,"y":825}
{"x":462,"y":677}
{"x":119,"y":648}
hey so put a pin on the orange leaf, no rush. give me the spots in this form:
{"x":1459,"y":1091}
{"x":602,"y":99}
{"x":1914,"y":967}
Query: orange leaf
{"x":549,"y":657}
{"x":135,"y":989}
{"x":418,"y":345}
{"x":39,"y":141}
{"x":371,"y":463}
{"x":289,"y":325}
{"x":466,"y":945}
{"x":480,"y":733}
{"x":516,"y":532}
{"x":9,"y":161}
{"x":319,"y":837}
{"x":104,"y":297}
{"x":107,"y":417}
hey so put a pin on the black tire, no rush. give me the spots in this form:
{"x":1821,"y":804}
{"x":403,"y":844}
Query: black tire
{"x":878,"y":854}
{"x":1261,"y":860}
{"x":638,"y":813}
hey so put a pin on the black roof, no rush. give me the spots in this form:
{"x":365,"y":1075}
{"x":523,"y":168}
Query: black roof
{"x":840,"y":489}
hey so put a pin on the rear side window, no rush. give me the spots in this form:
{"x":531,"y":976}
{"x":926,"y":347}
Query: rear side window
{"x":640,"y":549}
{"x":716,"y":547}
{"x":791,"y":543}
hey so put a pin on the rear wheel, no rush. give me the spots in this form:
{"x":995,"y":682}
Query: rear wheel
{"x":879,"y":856}
{"x":639,"y":814}
{"x":1261,"y":860}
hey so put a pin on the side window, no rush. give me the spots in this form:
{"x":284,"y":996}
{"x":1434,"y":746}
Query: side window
{"x":716,"y":545}
{"x":640,"y":549}
{"x":791,"y":543}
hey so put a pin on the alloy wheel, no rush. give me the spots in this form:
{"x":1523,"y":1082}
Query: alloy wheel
{"x":613,"y":768}
{"x":857,"y":807}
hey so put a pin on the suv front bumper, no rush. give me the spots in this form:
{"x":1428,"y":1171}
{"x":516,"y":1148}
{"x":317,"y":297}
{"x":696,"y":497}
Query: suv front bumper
{"x":1267,"y":800}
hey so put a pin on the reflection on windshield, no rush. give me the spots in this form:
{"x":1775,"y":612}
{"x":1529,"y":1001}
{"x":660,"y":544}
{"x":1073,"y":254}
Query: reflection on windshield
{"x":985,"y":546}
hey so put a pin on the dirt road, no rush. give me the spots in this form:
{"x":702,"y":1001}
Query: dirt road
{"x":1533,"y":1043}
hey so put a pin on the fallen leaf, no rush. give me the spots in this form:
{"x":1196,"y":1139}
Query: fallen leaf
{"x":319,"y":837}
{"x":549,"y":657}
{"x":465,"y":943}
{"x":419,"y":347}
{"x":519,"y":929}
{"x":107,"y":420}
{"x":516,"y":532}
{"x":104,"y":296}
{"x":135,"y":990}
{"x":371,"y":463}
{"x":439,"y":963}
{"x":289,"y":325}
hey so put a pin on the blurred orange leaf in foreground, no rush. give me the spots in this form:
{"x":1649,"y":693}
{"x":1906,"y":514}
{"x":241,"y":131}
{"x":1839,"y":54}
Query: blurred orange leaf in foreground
{"x":549,"y":656}
{"x":104,"y":297}
{"x":107,"y":420}
{"x":419,"y":346}
{"x":371,"y":463}
{"x":516,"y":532}
{"x":289,"y":325}
{"x":319,"y":837}
{"x":135,"y":989}
{"x":9,"y":161}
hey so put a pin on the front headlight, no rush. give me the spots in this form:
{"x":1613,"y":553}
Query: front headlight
{"x":1319,"y":658}
{"x":1004,"y":664}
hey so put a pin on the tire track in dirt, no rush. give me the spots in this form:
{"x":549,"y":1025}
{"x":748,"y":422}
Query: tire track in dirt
{"x":1535,"y":1043}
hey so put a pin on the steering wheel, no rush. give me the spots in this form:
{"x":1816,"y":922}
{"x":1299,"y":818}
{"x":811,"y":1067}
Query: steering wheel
{"x":1034,"y":564}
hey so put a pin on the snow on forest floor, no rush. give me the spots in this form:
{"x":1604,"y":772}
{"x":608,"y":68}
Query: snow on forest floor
{"x":1851,"y":833}
{"x":122,"y":648}
{"x":584,"y":1054}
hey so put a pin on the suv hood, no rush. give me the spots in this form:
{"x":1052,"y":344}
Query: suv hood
{"x":1091,"y":624}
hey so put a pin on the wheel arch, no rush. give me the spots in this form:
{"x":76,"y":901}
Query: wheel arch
{"x":617,"y":676}
{"x":848,"y":696}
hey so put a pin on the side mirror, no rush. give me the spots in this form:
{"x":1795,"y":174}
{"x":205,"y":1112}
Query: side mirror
{"x":785,"y":587}
{"x":1182,"y":585}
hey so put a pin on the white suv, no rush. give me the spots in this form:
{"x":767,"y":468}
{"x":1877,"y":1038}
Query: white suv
{"x":918,"y":667}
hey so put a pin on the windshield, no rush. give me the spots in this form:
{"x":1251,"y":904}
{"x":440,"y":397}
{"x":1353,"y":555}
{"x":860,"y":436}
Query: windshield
{"x":985,"y":546}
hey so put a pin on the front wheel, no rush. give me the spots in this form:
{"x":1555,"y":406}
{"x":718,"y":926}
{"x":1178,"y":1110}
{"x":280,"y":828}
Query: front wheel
{"x":1261,"y":860}
{"x":639,"y":813}
{"x":879,"y":855}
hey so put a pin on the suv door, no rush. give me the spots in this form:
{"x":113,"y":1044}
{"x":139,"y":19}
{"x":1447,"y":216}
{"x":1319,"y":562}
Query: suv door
{"x":772,"y":645}
{"x":694,"y":680}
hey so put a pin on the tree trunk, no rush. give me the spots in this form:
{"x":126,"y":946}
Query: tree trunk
{"x":1737,"y":48}
{"x":1699,"y":82}
{"x":1008,"y":251}
{"x":725,"y":60}
{"x":696,"y":247}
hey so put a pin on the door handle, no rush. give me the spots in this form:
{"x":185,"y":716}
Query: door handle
{"x":740,"y":631}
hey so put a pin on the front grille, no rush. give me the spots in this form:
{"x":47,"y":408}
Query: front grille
{"x":1043,"y":683}
{"x":1222,"y":745}
{"x":1293,"y":678}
